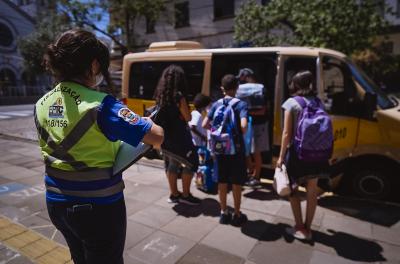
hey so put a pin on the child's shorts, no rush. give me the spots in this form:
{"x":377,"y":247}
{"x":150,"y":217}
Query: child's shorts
{"x":231,"y":169}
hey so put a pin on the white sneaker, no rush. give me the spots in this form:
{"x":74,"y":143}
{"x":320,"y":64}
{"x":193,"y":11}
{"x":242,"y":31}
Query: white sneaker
{"x":300,"y":234}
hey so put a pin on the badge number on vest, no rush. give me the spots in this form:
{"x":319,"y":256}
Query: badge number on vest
{"x":56,"y":110}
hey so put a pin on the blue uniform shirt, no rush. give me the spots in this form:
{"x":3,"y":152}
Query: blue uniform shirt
{"x":117,"y":122}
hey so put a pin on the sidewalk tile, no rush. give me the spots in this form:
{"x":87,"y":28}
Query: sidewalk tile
{"x":59,"y":238}
{"x":22,"y":239}
{"x":267,"y":207}
{"x":14,"y":172}
{"x":320,"y":257}
{"x":4,"y":222}
{"x":348,"y":246}
{"x":38,"y":248}
{"x":230,"y":239}
{"x":385,"y":234}
{"x":135,"y":233}
{"x":347,"y":225}
{"x":194,"y":229}
{"x":203,"y":254}
{"x":10,"y":256}
{"x":39,"y":225}
{"x":58,"y":255}
{"x":153,"y":216}
{"x":390,"y":252}
{"x":133,"y":206}
{"x":161,"y":247}
{"x":146,"y":194}
{"x":10,"y":231}
{"x":15,"y":213}
{"x":277,"y":252}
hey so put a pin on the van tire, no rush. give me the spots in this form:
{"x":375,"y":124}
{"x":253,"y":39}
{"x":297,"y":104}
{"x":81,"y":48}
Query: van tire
{"x":372,"y":183}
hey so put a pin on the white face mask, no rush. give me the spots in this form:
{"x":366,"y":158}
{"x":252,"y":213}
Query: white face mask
{"x":98,"y":79}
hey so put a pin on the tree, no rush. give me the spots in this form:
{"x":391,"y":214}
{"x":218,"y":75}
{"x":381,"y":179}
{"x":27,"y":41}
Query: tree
{"x":33,"y":46}
{"x":125,"y":14}
{"x":344,"y":25}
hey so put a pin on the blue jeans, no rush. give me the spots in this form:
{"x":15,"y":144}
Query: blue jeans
{"x":95,"y":233}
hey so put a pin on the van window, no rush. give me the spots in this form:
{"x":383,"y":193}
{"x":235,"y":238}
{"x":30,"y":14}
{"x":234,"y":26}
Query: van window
{"x":144,"y":77}
{"x":339,"y":88}
{"x":263,"y":65}
{"x":297,"y":64}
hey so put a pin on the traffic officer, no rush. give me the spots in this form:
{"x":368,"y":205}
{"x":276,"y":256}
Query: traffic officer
{"x":79,"y":130}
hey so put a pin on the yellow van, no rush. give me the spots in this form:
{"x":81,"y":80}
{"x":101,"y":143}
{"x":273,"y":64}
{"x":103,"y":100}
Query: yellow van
{"x":366,"y":122}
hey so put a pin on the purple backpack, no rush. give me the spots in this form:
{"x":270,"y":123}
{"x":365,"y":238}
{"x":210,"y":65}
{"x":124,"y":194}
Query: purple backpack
{"x":313,"y":141}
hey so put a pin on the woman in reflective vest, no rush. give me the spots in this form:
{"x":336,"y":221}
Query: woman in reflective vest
{"x":80,"y":131}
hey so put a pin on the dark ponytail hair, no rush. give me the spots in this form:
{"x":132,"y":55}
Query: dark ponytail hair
{"x":171,"y":86}
{"x":71,"y":56}
{"x":303,"y":84}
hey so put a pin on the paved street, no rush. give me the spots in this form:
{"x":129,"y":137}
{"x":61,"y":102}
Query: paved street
{"x":345,"y":230}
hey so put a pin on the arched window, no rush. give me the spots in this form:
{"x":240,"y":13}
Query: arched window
{"x":6,"y":35}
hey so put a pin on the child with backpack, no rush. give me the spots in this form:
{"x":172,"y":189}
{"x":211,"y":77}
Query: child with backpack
{"x":307,"y":144}
{"x":227,"y":120}
{"x":203,"y":178}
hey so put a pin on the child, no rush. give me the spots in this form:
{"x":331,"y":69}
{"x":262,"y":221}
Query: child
{"x":199,"y":134}
{"x":229,"y":116}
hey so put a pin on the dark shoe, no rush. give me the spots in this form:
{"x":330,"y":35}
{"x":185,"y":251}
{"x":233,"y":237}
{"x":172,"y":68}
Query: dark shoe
{"x":174,"y":199}
{"x":253,"y":182}
{"x":190,"y":200}
{"x":239,"y":220}
{"x":225,"y":219}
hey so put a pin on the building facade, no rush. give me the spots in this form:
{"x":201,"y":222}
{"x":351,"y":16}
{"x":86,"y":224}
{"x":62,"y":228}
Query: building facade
{"x":15,"y":23}
{"x":211,"y":22}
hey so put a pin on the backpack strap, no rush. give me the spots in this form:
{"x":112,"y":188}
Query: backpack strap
{"x":300,"y":100}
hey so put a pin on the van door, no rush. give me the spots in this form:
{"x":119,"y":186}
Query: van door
{"x":264,"y":66}
{"x":341,"y":102}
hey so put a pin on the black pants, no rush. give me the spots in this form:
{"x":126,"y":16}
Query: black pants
{"x":94,"y":233}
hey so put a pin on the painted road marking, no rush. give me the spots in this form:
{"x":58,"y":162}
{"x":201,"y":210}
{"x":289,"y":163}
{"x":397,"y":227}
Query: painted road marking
{"x":8,"y":115}
{"x":11,"y":187}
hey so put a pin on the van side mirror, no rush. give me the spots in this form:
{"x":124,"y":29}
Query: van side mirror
{"x":369,"y":105}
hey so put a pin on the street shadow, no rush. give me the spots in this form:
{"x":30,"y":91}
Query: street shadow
{"x":208,"y":207}
{"x":261,"y":194}
{"x":350,"y":247}
{"x":367,"y":210}
{"x":345,"y":245}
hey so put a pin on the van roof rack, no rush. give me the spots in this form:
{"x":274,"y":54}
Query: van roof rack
{"x":174,"y":45}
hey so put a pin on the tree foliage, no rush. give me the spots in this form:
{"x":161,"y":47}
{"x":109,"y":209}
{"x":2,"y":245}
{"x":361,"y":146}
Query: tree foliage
{"x":344,"y":25}
{"x":33,"y":46}
{"x":66,"y":14}
{"x":126,"y":13}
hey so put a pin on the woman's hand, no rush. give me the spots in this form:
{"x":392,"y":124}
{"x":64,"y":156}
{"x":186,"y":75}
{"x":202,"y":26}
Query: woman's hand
{"x":279,"y":163}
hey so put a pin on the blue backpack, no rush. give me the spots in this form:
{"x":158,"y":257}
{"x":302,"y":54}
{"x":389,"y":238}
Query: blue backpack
{"x":224,"y":128}
{"x":313,"y":141}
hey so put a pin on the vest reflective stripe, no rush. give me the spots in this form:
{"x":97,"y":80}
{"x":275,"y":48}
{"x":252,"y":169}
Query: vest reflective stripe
{"x":60,"y":151}
{"x":119,"y":187}
{"x":86,"y":175}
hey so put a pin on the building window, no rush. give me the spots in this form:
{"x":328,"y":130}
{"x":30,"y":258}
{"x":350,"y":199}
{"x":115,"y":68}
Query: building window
{"x":224,"y":9}
{"x":150,"y":25}
{"x":398,"y":8}
{"x":6,"y":36}
{"x":265,"y":2}
{"x":182,"y":14}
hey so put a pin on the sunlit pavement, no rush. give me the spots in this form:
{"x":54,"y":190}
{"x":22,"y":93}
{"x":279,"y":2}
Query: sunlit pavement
{"x":345,"y":230}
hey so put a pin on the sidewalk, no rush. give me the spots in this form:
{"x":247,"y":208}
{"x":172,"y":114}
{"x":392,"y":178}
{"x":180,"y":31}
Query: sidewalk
{"x":345,"y":230}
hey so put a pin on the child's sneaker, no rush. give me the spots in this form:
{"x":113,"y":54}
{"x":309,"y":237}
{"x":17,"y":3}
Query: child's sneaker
{"x":239,"y":220}
{"x":299,"y":232}
{"x":225,"y":218}
{"x":174,"y":198}
{"x":190,"y":200}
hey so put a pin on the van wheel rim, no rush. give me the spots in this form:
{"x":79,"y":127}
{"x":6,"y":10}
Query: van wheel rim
{"x":372,"y":185}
